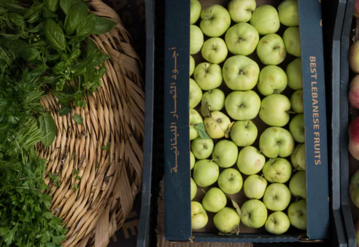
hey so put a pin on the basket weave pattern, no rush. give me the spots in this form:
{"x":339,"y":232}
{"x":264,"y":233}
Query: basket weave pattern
{"x":108,"y":178}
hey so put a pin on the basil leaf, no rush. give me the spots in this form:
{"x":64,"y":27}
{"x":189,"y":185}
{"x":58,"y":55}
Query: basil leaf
{"x":15,"y":46}
{"x":38,"y":28}
{"x":38,"y":71}
{"x":87,"y":26}
{"x":51,"y":4}
{"x":66,"y":5}
{"x":55,"y":35}
{"x":11,"y":36}
{"x":17,"y":19}
{"x":103,"y":25}
{"x":48,"y":14}
{"x":78,"y":119}
{"x":75,"y":54}
{"x":48,"y":129}
{"x":14,"y":7}
{"x":201,"y":131}
{"x":64,"y":111}
{"x":76,"y":15}
{"x":33,"y":11}
{"x":30,"y":54}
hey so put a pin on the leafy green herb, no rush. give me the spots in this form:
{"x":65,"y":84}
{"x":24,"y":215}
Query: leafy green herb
{"x":55,"y":35}
{"x":106,"y":147}
{"x":201,"y":131}
{"x":78,"y":119}
{"x":48,"y":129}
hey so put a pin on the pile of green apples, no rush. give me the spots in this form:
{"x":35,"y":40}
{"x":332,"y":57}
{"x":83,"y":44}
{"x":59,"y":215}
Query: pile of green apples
{"x":245,"y":131}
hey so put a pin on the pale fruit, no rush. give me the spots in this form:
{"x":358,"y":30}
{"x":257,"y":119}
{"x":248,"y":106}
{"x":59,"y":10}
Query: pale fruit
{"x":294,"y":73}
{"x":217,"y":125}
{"x":275,"y":110}
{"x":215,"y":99}
{"x":300,"y":158}
{"x":193,"y":189}
{"x":199,"y":218}
{"x":293,"y":157}
{"x":225,"y":153}
{"x":288,"y":13}
{"x":205,"y":173}
{"x":230,"y":181}
{"x":214,"y":200}
{"x":254,"y":213}
{"x":192,"y":65}
{"x":195,"y":94}
{"x":297,"y":213}
{"x":241,"y":10}
{"x":194,"y":119}
{"x":255,"y":186}
{"x":242,"y":105}
{"x":265,"y":19}
{"x":275,"y":142}
{"x":195,"y":11}
{"x":192,"y":159}
{"x":291,"y":38}
{"x":242,"y":39}
{"x":208,"y":76}
{"x":244,"y":133}
{"x":271,"y":49}
{"x":215,"y":20}
{"x":277,"y":223}
{"x":202,"y":148}
{"x":195,"y":40}
{"x":297,"y":101}
{"x":250,"y":160}
{"x":298,"y":185}
{"x":296,"y":128}
{"x":272,"y":80}
{"x":226,"y":220}
{"x":277,"y":170}
{"x":214,"y":50}
{"x":277,"y":197}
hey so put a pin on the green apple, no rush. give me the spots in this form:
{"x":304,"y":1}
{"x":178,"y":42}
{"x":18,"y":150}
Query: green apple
{"x":199,"y":218}
{"x":192,"y":159}
{"x":205,"y":173}
{"x":240,"y":73}
{"x":214,"y":50}
{"x":193,"y":189}
{"x":225,"y":153}
{"x":195,"y":94}
{"x":202,"y":148}
{"x":275,"y":142}
{"x":297,"y":101}
{"x":293,"y":157}
{"x":272,"y":80}
{"x":294,"y":74}
{"x":208,"y":76}
{"x":215,"y":20}
{"x":277,"y":223}
{"x":265,"y":19}
{"x":192,"y":64}
{"x":296,"y":127}
{"x":195,"y":11}
{"x":291,"y":40}
{"x":250,"y":160}
{"x":300,"y":158}
{"x":254,"y":213}
{"x":288,"y":13}
{"x":271,"y":49}
{"x":298,"y":185}
{"x":277,"y":197}
{"x":277,"y":170}
{"x":244,"y":133}
{"x":215,"y":99}
{"x":354,"y":188}
{"x":242,"y":39}
{"x":275,"y":110}
{"x":214,"y":200}
{"x":297,"y":213}
{"x":255,"y":186}
{"x":217,"y":125}
{"x":195,"y":40}
{"x":241,"y":10}
{"x":194,"y":119}
{"x":230,"y":181}
{"x":226,"y":220}
{"x":242,"y":105}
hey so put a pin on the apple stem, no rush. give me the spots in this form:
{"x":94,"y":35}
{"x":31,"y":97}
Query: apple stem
{"x":291,"y":112}
{"x":248,"y":124}
{"x":275,"y":91}
{"x":262,"y":175}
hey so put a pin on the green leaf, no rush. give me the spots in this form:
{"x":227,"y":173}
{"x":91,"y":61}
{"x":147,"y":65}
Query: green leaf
{"x":30,"y":54}
{"x":14,"y":7}
{"x":78,"y":119}
{"x":87,"y":26}
{"x":48,"y":129}
{"x":201,"y":131}
{"x":106,"y":147}
{"x":38,"y":28}
{"x":75,"y":54}
{"x":205,"y":109}
{"x":10,"y":36}
{"x":33,"y":11}
{"x":64,"y":111}
{"x":103,"y":25}
{"x":55,"y":35}
{"x":38,"y":71}
{"x":76,"y":15}
{"x":51,"y":4}
{"x":17,"y":19}
{"x":4,"y":231}
{"x":66,"y":5}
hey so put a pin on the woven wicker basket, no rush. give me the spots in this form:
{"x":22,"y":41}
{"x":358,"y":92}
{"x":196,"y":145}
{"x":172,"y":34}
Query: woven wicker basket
{"x":97,"y":206}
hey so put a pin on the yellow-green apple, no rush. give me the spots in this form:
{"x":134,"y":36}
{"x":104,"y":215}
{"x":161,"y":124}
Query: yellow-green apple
{"x":291,"y":40}
{"x":277,"y":197}
{"x":354,"y":188}
{"x":215,"y":20}
{"x":202,"y":148}
{"x":354,"y":138}
{"x":244,"y":133}
{"x":230,"y":181}
{"x":297,"y":101}
{"x":225,"y":153}
{"x":240,"y":73}
{"x":242,"y":105}
{"x":294,"y":74}
{"x":214,"y":50}
{"x":217,"y":125}
{"x":300,"y":158}
{"x":254,"y":213}
{"x":354,"y":91}
{"x":265,"y":19}
{"x":275,"y":110}
{"x":194,"y":119}
{"x":226,"y":220}
{"x":296,"y":127}
{"x":193,"y":189}
{"x":214,"y":200}
{"x":297,"y":213}
{"x":255,"y":186}
{"x":192,"y":159}
{"x":271,"y":49}
{"x":195,"y":40}
{"x":277,"y":223}
{"x":199,"y":218}
{"x":195,"y":94}
{"x":208,"y":76}
{"x":275,"y":142}
{"x":272,"y":80}
{"x":205,"y":173}
{"x":215,"y":99}
{"x":250,"y":160}
{"x":277,"y":170}
{"x":288,"y":13}
{"x":293,"y":157}
{"x":242,"y":39}
{"x":298,"y":185}
{"x":192,"y":64}
{"x":353,"y":56}
{"x":241,"y":10}
{"x":195,"y":11}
